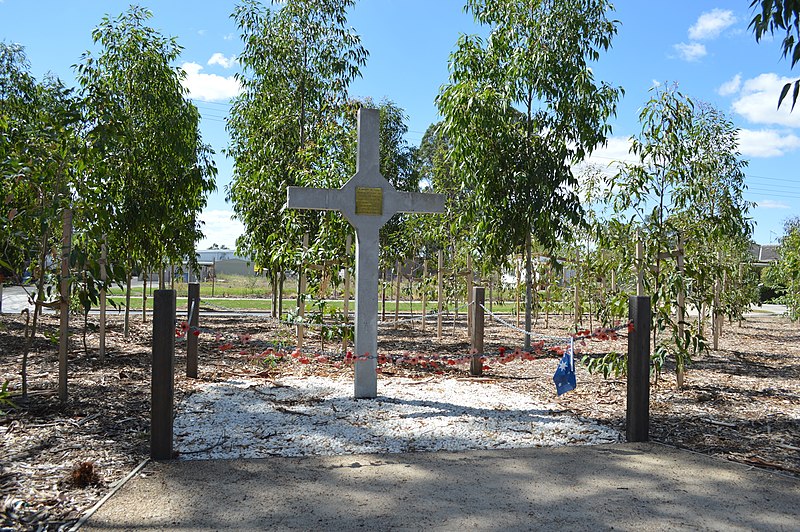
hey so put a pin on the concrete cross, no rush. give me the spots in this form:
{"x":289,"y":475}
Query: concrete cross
{"x":367,"y":200}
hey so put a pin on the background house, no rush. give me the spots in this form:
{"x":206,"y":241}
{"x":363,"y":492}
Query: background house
{"x":225,"y":262}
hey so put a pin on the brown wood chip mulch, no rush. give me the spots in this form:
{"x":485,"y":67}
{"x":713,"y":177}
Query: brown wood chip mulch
{"x":741,"y":403}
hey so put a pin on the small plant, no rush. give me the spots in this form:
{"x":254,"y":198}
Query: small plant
{"x":84,"y":474}
{"x":5,"y":398}
{"x":267,"y":360}
{"x":611,"y":363}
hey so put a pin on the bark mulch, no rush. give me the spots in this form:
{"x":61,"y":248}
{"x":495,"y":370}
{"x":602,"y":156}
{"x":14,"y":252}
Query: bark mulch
{"x":741,"y":403}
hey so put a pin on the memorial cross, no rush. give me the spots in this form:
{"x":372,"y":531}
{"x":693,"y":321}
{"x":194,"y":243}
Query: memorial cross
{"x":367,"y":201}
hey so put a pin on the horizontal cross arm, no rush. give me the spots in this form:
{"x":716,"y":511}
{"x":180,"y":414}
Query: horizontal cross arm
{"x":417,"y":202}
{"x":322,"y":199}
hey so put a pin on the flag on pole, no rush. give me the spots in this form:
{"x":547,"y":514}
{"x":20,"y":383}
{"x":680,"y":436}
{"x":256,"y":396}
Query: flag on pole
{"x":564,"y":377}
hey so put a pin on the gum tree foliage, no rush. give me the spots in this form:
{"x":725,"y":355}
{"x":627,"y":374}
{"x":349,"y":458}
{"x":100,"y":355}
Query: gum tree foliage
{"x":289,"y":125}
{"x":43,"y":160}
{"x":521,"y":107}
{"x":687,"y":183}
{"x":781,"y":16}
{"x":786,"y":271}
{"x":17,"y":110}
{"x":155,"y":172}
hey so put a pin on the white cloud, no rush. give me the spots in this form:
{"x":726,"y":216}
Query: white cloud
{"x":656,"y":83}
{"x":616,"y":150}
{"x":209,"y":87}
{"x":690,"y":52}
{"x":769,"y":204}
{"x":767,"y":142}
{"x":758,"y":101}
{"x":731,"y":86}
{"x":710,"y":24}
{"x":219,"y":59}
{"x":219,"y":229}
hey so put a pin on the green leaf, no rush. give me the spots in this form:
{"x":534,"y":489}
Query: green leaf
{"x":784,"y":92}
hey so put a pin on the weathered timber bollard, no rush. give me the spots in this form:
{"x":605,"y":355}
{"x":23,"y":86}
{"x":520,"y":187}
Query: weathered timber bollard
{"x":193,"y":304}
{"x":638,"y":403}
{"x":103,"y":278}
{"x":478,"y":298}
{"x":163,"y":383}
{"x":63,"y":342}
{"x":439,"y":293}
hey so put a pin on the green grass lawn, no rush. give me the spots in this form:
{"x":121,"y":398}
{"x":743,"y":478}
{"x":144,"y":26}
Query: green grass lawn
{"x":254,"y":293}
{"x":289,"y":304}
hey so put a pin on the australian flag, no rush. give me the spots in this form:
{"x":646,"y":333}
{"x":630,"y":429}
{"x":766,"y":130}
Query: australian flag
{"x":564,"y":377}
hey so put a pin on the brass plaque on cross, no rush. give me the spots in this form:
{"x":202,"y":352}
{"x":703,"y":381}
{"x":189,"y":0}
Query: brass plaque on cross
{"x":369,"y":201}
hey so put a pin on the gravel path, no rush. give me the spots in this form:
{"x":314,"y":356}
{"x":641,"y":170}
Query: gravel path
{"x":299,"y":416}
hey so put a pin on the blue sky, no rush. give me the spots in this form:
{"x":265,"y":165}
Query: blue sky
{"x":703,"y":46}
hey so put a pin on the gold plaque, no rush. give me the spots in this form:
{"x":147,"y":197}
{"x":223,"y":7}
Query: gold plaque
{"x":369,"y":201}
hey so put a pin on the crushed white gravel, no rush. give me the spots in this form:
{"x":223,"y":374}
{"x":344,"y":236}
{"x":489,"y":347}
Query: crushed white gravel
{"x":298,"y":416}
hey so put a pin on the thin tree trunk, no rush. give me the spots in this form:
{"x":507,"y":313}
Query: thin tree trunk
{"x":281,"y":281}
{"x":144,"y":300}
{"x":528,"y":289}
{"x":126,"y":327}
{"x":273,"y":278}
{"x":383,"y":297}
{"x":36,"y":310}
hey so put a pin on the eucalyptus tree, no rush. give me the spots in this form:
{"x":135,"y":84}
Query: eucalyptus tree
{"x":43,"y":172}
{"x":521,"y":107}
{"x":288,"y":126}
{"x":155,"y":170}
{"x":686,"y":186}
{"x":786,"y":271}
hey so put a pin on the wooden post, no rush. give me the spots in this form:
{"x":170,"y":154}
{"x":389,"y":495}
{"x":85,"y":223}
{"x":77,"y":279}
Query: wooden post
{"x":163,"y":382}
{"x":440,"y":294}
{"x":716,"y":325}
{"x":516,"y":292}
{"x":638,"y":401}
{"x":639,"y":264}
{"x":214,"y":276}
{"x":397,"y":293}
{"x":193,"y":306}
{"x":528,"y":287}
{"x":478,"y":297}
{"x":346,"y":309}
{"x":491,"y":293}
{"x":301,"y":292}
{"x":144,"y":298}
{"x":470,"y":300}
{"x":383,"y":296}
{"x":424,"y":287}
{"x":66,"y":250}
{"x":411,"y":295}
{"x":680,"y":370}
{"x":578,"y":313}
{"x":103,"y":278}
{"x":549,"y":280}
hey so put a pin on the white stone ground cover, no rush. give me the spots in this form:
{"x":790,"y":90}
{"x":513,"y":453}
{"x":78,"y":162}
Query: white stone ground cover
{"x":318,"y":416}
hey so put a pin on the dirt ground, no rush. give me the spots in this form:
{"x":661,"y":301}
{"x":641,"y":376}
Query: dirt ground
{"x":741,"y":403}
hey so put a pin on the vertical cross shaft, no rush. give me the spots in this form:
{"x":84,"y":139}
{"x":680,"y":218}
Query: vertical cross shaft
{"x":367,"y":200}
